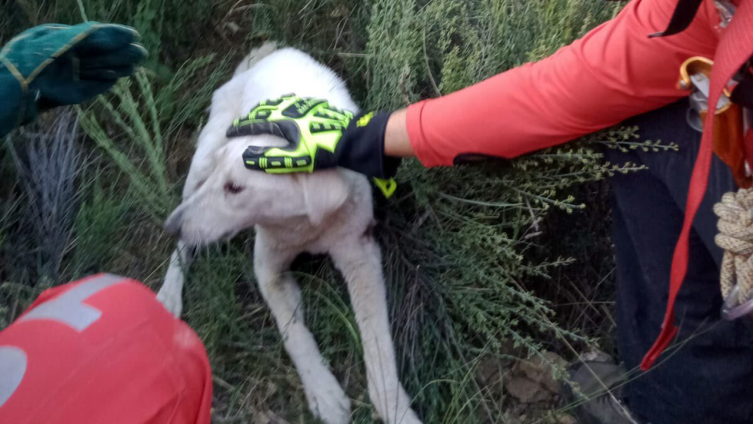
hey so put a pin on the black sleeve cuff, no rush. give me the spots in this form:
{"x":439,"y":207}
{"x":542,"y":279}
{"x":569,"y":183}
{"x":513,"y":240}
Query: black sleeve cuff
{"x":361,"y":148}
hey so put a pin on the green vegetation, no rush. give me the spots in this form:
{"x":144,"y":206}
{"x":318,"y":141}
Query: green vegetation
{"x":464,"y":248}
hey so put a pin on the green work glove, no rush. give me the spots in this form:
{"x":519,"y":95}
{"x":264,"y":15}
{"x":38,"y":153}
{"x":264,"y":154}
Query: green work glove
{"x":320,"y":137}
{"x":53,"y":65}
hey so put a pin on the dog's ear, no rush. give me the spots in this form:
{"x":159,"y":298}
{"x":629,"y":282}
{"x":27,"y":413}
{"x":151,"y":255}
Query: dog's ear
{"x":323,"y":193}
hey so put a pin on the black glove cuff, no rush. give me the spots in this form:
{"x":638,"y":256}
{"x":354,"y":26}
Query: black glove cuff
{"x":361,"y":148}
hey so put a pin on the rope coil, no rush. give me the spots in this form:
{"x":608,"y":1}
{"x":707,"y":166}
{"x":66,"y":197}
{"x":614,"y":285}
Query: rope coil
{"x":735,"y":225}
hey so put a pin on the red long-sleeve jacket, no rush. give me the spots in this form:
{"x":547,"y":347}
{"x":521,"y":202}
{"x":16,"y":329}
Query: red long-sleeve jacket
{"x":616,"y":71}
{"x":612,"y":73}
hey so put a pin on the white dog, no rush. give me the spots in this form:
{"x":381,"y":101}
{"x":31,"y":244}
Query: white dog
{"x":323,"y":212}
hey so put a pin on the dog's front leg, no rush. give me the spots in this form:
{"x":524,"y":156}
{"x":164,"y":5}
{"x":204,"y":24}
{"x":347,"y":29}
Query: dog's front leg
{"x":361,"y":264}
{"x":326,"y":398}
{"x":171,"y":292}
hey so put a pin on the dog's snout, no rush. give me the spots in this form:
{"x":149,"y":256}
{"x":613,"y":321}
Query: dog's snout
{"x":174,"y":222}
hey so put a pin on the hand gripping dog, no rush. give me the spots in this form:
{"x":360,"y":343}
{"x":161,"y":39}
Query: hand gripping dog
{"x":320,"y":137}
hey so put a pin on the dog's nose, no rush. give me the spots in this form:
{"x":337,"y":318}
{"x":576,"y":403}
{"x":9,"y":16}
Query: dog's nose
{"x":174,"y":222}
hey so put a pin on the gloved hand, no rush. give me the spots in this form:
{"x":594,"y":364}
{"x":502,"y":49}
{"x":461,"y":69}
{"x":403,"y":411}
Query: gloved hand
{"x":320,"y":137}
{"x":53,"y":65}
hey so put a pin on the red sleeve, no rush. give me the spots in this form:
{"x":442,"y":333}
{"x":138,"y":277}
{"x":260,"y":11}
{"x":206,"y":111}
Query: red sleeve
{"x":612,"y":73}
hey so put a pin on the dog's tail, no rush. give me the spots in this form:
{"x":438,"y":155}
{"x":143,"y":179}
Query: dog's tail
{"x":255,"y":56}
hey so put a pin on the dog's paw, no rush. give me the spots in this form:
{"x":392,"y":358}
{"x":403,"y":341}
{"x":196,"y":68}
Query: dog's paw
{"x":171,"y":299}
{"x":327,"y":400}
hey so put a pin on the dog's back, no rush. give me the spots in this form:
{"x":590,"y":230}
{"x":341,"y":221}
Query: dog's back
{"x":286,"y":71}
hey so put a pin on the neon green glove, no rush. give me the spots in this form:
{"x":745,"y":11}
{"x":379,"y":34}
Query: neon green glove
{"x":320,"y":136}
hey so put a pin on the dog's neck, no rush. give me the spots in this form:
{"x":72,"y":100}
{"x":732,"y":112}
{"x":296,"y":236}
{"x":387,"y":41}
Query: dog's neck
{"x":293,"y":233}
{"x":299,"y":233}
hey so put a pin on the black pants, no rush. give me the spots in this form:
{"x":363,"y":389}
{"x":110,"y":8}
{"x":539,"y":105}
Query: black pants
{"x":710,"y":379}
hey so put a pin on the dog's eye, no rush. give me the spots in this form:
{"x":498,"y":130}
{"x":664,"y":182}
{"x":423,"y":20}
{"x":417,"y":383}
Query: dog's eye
{"x":232,"y":188}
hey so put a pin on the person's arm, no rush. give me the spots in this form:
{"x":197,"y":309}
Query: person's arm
{"x":396,"y":140}
{"x":612,"y":73}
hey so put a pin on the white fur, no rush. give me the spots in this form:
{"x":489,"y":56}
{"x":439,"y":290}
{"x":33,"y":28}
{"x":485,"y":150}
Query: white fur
{"x":323,"y":212}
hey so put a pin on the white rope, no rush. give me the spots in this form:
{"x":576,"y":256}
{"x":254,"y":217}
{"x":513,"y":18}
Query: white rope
{"x":735,"y":226}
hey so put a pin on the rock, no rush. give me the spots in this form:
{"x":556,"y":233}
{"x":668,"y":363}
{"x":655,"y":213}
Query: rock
{"x":595,"y":356}
{"x":509,"y":350}
{"x":339,"y":12}
{"x":555,"y":359}
{"x":271,"y":389}
{"x":488,"y":371}
{"x":566,"y":419}
{"x":511,"y":418}
{"x":232,"y":27}
{"x":268,"y":417}
{"x":527,"y":390}
{"x":541,"y":370}
{"x":261,"y":418}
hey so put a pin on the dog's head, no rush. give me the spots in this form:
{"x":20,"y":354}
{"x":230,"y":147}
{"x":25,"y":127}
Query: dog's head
{"x":233,"y":198}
